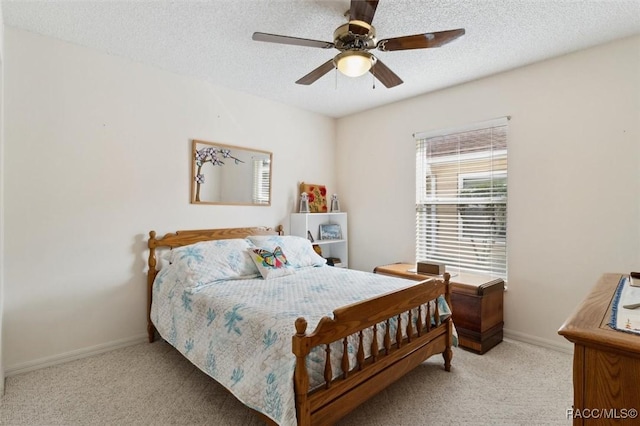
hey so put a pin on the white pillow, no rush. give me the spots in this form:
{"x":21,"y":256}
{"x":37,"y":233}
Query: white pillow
{"x":163,"y":261}
{"x":300,"y":252}
{"x":208,"y":261}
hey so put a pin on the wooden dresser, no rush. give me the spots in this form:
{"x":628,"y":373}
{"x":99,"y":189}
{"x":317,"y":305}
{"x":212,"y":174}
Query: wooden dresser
{"x":477,"y":305}
{"x":606,"y":362}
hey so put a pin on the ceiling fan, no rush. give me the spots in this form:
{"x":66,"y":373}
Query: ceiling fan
{"x":355,"y":38}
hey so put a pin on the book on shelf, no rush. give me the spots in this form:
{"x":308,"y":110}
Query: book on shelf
{"x":334,"y":261}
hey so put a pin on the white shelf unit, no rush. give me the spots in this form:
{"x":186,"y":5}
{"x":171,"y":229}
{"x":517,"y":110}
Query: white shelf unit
{"x":300,"y":223}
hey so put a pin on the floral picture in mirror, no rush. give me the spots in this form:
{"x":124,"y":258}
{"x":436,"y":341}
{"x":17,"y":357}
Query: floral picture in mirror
{"x":232,"y":175}
{"x":216,"y":157}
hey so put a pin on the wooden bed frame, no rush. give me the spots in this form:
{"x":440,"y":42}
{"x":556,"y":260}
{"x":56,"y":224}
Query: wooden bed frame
{"x":399,"y":353}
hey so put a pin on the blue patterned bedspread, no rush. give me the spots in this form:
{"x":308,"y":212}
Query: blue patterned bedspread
{"x":239,"y":331}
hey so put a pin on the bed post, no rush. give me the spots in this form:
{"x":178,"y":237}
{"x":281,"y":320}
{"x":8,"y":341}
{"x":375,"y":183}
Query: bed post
{"x":151,"y":276}
{"x":301,"y":349}
{"x":448,"y":353}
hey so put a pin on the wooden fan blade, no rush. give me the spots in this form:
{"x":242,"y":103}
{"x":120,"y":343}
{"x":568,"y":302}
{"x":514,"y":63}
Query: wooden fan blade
{"x":385,"y":75}
{"x":317,"y":73}
{"x":419,"y":41}
{"x":363,"y":10}
{"x":274,"y":38}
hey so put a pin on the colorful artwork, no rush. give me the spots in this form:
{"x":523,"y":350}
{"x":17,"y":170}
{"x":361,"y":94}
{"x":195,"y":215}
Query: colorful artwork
{"x":317,"y":195}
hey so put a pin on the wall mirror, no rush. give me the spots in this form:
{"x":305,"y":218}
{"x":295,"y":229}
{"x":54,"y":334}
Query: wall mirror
{"x":232,"y":175}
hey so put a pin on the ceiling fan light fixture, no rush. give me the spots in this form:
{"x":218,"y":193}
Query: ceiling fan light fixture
{"x":354,"y":63}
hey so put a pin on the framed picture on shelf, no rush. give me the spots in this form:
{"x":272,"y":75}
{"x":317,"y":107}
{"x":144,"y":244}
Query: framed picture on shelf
{"x":316,"y":196}
{"x":330,"y":231}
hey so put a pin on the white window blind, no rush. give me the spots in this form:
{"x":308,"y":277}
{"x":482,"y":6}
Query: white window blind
{"x":461,"y":197}
{"x":261,"y":181}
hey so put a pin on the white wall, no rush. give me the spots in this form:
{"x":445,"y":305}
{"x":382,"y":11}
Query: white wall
{"x":574,"y":177}
{"x":2,"y":164}
{"x":99,"y":151}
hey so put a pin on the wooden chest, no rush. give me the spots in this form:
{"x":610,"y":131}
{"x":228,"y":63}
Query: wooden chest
{"x":477,"y":305}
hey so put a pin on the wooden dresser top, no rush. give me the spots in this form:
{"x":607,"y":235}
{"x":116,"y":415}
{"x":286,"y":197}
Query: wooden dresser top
{"x":589,"y":323}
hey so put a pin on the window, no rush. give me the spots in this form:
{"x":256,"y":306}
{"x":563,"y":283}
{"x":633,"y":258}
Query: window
{"x":483,"y":217}
{"x":261,"y":181}
{"x":461,"y":197}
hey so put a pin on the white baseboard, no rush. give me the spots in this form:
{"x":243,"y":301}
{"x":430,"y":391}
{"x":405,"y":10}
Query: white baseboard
{"x":73,"y":355}
{"x":117,"y":344}
{"x":534,"y":340}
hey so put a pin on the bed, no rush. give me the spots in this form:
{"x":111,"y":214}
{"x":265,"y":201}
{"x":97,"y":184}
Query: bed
{"x":304,"y":347}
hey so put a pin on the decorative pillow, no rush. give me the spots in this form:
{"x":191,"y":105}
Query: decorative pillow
{"x":271,"y":264}
{"x":299,"y":250}
{"x":208,"y":261}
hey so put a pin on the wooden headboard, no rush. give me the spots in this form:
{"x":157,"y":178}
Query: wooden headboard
{"x":183,"y":238}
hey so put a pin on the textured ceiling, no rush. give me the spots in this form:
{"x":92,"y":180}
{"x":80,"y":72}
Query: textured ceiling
{"x":211,"y":40}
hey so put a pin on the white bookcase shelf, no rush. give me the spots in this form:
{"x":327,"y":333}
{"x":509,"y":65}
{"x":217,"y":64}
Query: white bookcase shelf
{"x":303,"y":223}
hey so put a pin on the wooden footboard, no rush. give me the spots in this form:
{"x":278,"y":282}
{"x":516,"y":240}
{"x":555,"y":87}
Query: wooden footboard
{"x":415,"y":339}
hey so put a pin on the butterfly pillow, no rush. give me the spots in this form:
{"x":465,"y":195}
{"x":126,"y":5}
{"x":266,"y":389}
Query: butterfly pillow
{"x":271,"y":264}
{"x":299,"y":250}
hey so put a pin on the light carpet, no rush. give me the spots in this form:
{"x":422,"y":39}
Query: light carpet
{"x":152,"y":384}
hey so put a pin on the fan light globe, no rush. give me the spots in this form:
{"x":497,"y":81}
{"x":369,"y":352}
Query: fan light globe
{"x":354,"y":63}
